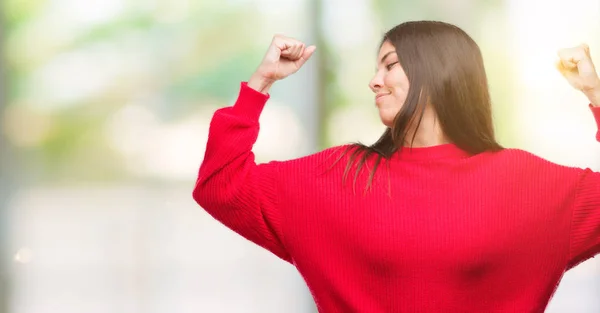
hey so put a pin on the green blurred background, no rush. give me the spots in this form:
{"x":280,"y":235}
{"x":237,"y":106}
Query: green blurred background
{"x":104,"y":112}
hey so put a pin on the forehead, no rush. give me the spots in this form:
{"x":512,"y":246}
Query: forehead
{"x":386,"y":48}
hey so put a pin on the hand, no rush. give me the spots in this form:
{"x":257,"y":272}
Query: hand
{"x":284,"y":57}
{"x":576,"y":66}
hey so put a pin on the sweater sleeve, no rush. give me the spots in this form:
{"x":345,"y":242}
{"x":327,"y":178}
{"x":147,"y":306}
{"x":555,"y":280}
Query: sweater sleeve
{"x":596,"y":112}
{"x":585,"y":227}
{"x":231,"y":187}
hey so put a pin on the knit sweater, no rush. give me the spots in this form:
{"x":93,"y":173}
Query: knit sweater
{"x":438,"y":231}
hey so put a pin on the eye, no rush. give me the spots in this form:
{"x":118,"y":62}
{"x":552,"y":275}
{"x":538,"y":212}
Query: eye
{"x":389,"y":66}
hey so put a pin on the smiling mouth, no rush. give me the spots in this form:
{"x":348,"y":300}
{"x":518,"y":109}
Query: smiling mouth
{"x":378,"y":97}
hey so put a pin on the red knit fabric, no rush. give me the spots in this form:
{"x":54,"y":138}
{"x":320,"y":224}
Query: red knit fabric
{"x":439,"y":231}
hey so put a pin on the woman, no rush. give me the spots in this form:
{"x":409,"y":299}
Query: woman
{"x":446,"y":221}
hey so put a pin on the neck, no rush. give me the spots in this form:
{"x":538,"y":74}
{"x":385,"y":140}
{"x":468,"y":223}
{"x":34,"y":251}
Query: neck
{"x":428,"y":134}
{"x":424,"y":140}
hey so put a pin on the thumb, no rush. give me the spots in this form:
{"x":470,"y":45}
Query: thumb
{"x":308,"y":52}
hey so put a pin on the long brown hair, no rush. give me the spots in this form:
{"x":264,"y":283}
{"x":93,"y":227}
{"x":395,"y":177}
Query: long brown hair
{"x":444,"y":67}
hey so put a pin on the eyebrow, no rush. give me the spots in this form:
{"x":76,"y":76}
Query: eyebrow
{"x":385,"y":56}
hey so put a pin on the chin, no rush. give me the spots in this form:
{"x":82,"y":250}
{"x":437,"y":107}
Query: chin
{"x":387,"y":122}
{"x":387,"y":117}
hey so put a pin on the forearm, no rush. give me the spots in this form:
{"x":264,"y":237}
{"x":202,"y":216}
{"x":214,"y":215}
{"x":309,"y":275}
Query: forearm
{"x":231,"y":187}
{"x":594,"y":97}
{"x":260,"y":84}
{"x":232,"y":134}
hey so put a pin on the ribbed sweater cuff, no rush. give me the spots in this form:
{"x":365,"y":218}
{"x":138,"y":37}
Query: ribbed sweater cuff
{"x":250,"y":102}
{"x":596,"y":112}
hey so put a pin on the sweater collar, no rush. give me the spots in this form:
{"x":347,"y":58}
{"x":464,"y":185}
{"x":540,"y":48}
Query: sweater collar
{"x":444,"y":151}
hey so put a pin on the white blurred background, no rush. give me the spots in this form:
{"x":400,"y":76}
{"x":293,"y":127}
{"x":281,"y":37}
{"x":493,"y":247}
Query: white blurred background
{"x":104,"y":114}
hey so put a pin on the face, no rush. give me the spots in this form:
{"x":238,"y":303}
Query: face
{"x":390,"y":84}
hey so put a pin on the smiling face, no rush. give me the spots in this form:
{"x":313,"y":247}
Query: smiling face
{"x":390,"y":84}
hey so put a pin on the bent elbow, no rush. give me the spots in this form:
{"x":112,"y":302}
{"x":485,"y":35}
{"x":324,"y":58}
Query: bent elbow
{"x":201,"y":194}
{"x":211,"y":195}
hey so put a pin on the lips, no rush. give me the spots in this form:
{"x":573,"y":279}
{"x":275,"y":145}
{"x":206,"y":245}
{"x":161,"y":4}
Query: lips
{"x":379,"y":96}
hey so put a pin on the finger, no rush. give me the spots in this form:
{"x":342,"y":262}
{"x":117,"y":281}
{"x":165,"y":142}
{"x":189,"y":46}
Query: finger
{"x":586,"y":48}
{"x":559,"y":66}
{"x":565,"y":72}
{"x":568,"y":64}
{"x":573,"y":55}
{"x":299,"y":51}
{"x":306,"y":54}
{"x":293,"y":53}
{"x":295,"y":50}
{"x":287,"y":51}
{"x":284,"y":44}
{"x":565,"y":55}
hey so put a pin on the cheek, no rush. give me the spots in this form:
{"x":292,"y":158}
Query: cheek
{"x":397,"y":82}
{"x":399,"y":93}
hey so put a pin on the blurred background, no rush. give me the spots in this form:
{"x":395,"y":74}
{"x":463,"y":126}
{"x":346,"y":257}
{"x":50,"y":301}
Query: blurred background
{"x":104,"y":115}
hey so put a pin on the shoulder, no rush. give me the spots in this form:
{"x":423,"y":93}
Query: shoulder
{"x":314,"y":161}
{"x":525,"y":163}
{"x":519,"y":156}
{"x":307,"y":172}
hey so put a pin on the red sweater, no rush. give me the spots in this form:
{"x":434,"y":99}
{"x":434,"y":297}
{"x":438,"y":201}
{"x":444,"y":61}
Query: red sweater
{"x":440,"y":231}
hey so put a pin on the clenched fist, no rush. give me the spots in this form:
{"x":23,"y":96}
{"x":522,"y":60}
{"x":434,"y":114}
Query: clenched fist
{"x":577,"y":67}
{"x":285,"y":56}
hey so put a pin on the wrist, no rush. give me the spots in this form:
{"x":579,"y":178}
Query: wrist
{"x":260,"y":84}
{"x":594,"y":97}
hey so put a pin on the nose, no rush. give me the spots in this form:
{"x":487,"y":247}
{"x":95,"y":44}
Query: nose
{"x":376,"y":83}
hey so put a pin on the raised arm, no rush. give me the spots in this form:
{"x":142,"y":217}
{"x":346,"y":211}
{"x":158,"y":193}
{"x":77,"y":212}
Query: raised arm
{"x":577,"y":67}
{"x":231,"y":187}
